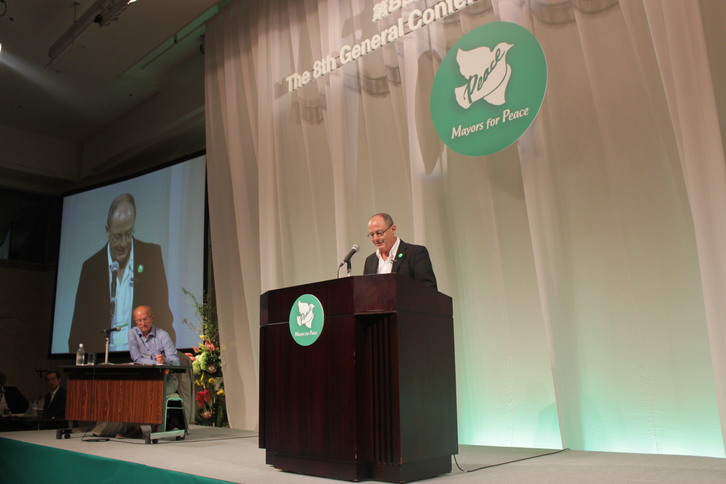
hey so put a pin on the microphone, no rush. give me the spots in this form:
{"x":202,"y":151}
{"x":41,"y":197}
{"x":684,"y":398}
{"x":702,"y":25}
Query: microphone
{"x":353,"y":250}
{"x":114,"y":274}
{"x":110,"y":330}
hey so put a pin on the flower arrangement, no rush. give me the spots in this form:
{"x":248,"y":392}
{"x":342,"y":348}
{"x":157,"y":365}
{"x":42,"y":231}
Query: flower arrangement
{"x":207,"y":365}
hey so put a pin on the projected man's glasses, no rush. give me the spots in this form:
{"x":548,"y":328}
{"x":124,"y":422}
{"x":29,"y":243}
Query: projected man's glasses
{"x":116,"y":238}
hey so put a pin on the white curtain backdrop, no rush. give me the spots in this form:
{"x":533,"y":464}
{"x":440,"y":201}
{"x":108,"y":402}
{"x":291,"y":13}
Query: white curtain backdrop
{"x":585,"y":261}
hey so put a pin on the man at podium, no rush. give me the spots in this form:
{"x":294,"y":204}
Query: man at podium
{"x":375,"y":393}
{"x":394,"y":255}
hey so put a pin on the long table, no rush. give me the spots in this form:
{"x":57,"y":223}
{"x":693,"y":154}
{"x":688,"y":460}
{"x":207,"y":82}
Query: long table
{"x":121,"y":393}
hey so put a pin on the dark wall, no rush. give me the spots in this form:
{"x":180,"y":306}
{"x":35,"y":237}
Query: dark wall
{"x":29,"y":227}
{"x":29,"y":237}
{"x":26,"y":310}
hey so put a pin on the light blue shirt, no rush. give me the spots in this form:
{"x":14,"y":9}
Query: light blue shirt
{"x":144,"y":349}
{"x":123,"y":316}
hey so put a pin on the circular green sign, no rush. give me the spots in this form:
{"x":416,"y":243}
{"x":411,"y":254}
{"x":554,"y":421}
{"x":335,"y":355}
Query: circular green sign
{"x":488,"y":89}
{"x":306,"y":320}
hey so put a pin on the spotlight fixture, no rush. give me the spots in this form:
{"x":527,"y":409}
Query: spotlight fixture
{"x":102,"y":12}
{"x":112,"y":12}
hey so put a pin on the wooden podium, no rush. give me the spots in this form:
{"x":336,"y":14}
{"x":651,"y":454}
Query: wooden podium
{"x":374,"y":397}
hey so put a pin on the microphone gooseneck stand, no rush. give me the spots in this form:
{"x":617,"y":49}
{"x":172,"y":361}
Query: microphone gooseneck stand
{"x":346,"y":259}
{"x":341,"y":265}
{"x":108,"y":337}
{"x":113,"y":313}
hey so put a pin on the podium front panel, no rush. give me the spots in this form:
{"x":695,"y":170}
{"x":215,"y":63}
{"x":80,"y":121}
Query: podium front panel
{"x":310,"y":391}
{"x":375,"y":396}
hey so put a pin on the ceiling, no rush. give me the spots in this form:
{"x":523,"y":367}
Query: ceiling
{"x":104,"y":73}
{"x":107,"y":104}
{"x":132,"y":73}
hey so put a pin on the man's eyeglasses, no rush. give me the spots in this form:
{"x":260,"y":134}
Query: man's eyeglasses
{"x":378,"y":233}
{"x":143,"y":320}
{"x":116,"y":238}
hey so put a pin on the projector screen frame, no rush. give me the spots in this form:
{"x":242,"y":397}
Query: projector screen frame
{"x":181,"y":183}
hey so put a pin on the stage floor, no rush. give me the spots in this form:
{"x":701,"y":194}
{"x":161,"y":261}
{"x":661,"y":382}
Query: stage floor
{"x":233,"y":456}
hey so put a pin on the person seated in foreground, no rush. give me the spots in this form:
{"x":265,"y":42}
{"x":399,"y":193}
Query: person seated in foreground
{"x":54,"y":403}
{"x":11,"y":399}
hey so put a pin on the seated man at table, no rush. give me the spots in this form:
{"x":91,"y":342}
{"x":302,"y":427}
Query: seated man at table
{"x":54,"y":403}
{"x":148,"y":345}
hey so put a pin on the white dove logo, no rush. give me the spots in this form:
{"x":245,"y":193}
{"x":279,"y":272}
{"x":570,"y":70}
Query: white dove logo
{"x":306,"y":314}
{"x":487,"y":75}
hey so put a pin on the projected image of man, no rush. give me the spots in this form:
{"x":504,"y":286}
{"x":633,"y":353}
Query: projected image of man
{"x":124,"y":274}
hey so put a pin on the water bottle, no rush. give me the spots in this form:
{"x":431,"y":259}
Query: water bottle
{"x":80,"y":355}
{"x":32,"y":409}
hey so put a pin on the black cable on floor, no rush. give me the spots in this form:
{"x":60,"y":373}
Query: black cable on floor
{"x":508,"y":462}
{"x":182,"y":441}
